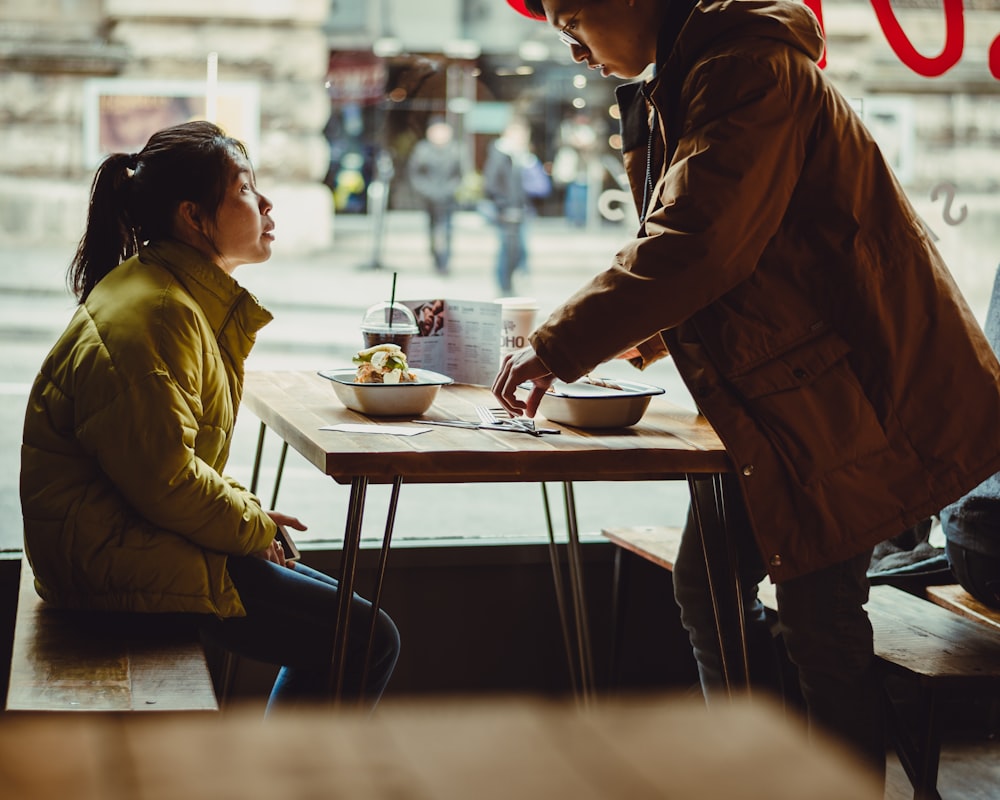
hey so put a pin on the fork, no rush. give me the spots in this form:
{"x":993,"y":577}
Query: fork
{"x":488,"y":417}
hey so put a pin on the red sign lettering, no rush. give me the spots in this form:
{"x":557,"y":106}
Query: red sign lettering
{"x":954,"y":40}
{"x":929,"y":66}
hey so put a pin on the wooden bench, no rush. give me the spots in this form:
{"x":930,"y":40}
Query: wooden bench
{"x":81,"y":661}
{"x":955,"y":598}
{"x":944,"y":653}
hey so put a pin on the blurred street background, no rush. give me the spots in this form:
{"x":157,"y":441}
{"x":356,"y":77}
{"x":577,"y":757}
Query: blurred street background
{"x":333,"y":99}
{"x":318,"y":300}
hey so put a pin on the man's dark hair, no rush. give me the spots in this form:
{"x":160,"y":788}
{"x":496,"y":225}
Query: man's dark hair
{"x":534,"y":7}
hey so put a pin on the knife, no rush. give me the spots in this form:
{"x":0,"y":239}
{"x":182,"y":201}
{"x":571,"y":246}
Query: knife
{"x":461,"y":423}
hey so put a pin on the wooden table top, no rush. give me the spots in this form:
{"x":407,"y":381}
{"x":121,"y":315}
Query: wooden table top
{"x":485,"y":748}
{"x":669,"y":442}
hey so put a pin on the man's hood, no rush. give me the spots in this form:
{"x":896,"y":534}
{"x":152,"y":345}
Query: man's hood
{"x":714,"y":22}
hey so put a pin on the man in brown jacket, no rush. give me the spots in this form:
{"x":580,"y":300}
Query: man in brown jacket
{"x":811,"y":317}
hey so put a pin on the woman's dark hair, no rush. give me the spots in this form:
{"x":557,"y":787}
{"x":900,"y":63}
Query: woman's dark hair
{"x":134,"y":197}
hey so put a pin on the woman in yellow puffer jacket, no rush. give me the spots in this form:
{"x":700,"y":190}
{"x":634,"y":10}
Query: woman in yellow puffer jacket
{"x":130,"y":421}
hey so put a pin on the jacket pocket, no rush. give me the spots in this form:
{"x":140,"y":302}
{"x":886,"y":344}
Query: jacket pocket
{"x":810,"y":405}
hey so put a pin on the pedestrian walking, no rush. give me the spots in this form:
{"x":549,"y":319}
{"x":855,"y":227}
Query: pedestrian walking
{"x":507,"y":184}
{"x":435,"y":173}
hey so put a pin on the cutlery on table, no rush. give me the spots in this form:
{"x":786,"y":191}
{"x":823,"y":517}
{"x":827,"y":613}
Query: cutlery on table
{"x":490,"y":419}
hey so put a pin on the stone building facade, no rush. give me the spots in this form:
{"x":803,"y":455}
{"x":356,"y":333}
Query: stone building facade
{"x":51,"y":49}
{"x":942,"y":130}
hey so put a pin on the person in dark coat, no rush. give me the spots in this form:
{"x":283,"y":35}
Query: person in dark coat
{"x":805,"y":306}
{"x":435,"y":173}
{"x":504,"y":187}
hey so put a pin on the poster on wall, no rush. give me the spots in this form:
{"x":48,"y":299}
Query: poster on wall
{"x":120,"y":114}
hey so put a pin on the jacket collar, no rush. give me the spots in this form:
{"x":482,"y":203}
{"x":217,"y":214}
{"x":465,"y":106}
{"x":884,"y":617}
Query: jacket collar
{"x":234,"y":313}
{"x":634,"y":115}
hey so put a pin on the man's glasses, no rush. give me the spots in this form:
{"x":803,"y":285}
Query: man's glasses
{"x":568,"y":38}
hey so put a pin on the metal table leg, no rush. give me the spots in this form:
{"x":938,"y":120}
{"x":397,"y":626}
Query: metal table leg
{"x":736,"y":576}
{"x":258,"y":457}
{"x":586,"y":688}
{"x":560,"y":595}
{"x":720,"y":554}
{"x":587,"y":681}
{"x":383,"y":560}
{"x":278,"y":474}
{"x":348,"y":568}
{"x":348,"y":572}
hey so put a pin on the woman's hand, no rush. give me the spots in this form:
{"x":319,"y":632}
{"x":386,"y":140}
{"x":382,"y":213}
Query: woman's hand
{"x":287,"y":521}
{"x":274,"y":552}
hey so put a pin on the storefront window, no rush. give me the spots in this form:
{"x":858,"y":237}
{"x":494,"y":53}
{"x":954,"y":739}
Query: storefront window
{"x":361,"y":88}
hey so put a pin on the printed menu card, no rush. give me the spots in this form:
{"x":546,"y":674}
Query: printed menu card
{"x":458,"y":338}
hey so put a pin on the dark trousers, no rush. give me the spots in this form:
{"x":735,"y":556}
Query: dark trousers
{"x":825,"y":629}
{"x":290,"y":621}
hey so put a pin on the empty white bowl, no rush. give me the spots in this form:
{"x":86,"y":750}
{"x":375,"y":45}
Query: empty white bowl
{"x":586,"y":405}
{"x":386,"y":399}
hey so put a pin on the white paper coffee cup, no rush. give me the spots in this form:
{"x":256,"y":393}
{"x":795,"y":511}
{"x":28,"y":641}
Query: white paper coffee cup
{"x":517,"y":321}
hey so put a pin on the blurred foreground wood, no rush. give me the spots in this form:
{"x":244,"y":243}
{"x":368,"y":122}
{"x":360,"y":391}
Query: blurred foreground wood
{"x":502,"y":748}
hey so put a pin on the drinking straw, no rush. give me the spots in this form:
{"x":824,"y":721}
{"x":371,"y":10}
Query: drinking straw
{"x":392,"y":300}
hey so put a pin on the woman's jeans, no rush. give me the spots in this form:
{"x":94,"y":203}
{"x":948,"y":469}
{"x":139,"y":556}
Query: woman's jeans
{"x":826,"y":633}
{"x":978,"y":573}
{"x":290,"y":622}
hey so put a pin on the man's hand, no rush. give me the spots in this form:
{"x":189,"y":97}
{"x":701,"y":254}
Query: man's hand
{"x":517,"y":368}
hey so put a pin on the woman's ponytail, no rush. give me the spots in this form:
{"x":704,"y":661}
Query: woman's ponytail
{"x":111,"y":236}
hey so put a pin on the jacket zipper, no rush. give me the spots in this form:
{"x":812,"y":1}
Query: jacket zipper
{"x":647,"y":189}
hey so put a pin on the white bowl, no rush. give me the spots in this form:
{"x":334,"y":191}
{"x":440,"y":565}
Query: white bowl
{"x":586,"y":405}
{"x":386,"y":399}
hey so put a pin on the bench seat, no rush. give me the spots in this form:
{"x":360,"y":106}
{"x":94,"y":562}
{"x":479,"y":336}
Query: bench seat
{"x":955,"y":598}
{"x":83,"y":661}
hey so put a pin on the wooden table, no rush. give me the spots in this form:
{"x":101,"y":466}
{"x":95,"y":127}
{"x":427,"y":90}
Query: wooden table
{"x":669,"y":443}
{"x":488,"y":749}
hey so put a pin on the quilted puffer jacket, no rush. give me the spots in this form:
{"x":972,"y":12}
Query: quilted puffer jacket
{"x":810,"y":315}
{"x":127,"y":431}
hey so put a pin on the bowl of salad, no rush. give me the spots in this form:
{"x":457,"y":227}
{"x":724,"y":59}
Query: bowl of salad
{"x":384,"y":385}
